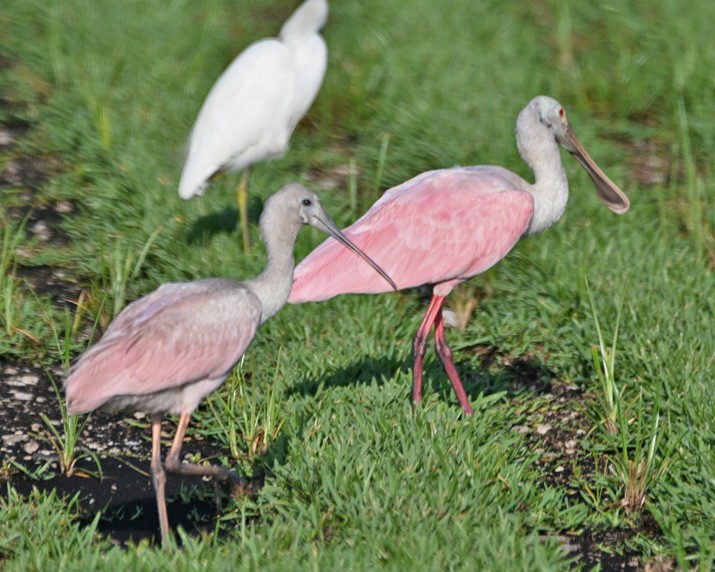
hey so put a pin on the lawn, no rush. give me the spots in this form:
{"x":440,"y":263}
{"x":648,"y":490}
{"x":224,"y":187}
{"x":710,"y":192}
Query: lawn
{"x":587,"y":353}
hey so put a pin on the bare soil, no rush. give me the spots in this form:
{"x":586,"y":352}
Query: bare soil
{"x":124,"y":494}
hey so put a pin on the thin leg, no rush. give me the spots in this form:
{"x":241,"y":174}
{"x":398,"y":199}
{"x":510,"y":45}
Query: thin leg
{"x":242,"y":198}
{"x":445,"y":354}
{"x":419,"y":346}
{"x":158,"y":478}
{"x":174,"y":465}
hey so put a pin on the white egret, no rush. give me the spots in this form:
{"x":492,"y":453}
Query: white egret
{"x":251,"y":111}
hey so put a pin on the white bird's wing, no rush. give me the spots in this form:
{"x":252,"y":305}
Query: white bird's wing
{"x":245,"y":117}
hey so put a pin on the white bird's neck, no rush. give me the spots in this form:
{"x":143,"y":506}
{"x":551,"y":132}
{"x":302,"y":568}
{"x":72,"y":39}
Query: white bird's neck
{"x":301,"y":35}
{"x":273,"y":285}
{"x":540,"y":151}
{"x":308,"y":19}
{"x":310,"y":55}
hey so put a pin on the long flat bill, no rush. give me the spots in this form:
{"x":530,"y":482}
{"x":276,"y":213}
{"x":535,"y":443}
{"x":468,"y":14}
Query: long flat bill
{"x":609,"y":193}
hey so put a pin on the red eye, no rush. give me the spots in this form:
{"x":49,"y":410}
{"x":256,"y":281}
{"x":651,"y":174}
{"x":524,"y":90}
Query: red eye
{"x":561,"y":112}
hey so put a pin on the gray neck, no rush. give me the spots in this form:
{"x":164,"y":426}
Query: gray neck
{"x":551,"y":187}
{"x":273,"y":285}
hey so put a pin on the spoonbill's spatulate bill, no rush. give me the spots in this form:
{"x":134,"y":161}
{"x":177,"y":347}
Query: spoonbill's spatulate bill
{"x":251,"y":111}
{"x":443,"y":227}
{"x":166,"y":351}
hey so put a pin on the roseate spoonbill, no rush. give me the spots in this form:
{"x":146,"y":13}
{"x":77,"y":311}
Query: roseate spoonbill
{"x":253,"y":108}
{"x":443,"y":227}
{"x":166,"y":351}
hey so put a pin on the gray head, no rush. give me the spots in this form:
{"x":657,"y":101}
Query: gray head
{"x":296,"y":205}
{"x":309,"y":18}
{"x":550,"y":114}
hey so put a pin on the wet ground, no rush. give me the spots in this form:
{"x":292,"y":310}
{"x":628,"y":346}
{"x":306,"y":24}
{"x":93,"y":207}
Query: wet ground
{"x":124,"y":492}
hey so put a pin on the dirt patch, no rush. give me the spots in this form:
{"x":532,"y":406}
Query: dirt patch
{"x":11,"y":131}
{"x":124,"y":494}
{"x":43,"y":220}
{"x":51,"y":281}
{"x":43,"y":225}
{"x":556,"y":431}
{"x":649,"y":161}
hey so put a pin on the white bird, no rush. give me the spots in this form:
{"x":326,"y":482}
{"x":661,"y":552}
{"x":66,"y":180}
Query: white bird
{"x":251,"y":111}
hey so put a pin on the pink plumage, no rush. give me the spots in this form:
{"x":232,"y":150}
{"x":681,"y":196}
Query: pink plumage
{"x":161,"y":345}
{"x":166,"y":351}
{"x":441,"y":227}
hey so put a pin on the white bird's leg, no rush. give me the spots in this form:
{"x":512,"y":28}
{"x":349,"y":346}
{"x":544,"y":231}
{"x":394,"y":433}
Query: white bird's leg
{"x":419,"y":346}
{"x":174,"y":464}
{"x":158,"y":477}
{"x":242,"y":199}
{"x":445,"y":354}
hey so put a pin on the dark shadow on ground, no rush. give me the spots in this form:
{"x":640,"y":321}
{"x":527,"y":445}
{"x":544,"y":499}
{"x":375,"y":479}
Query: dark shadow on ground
{"x":222,"y":221}
{"x":514,"y":376}
{"x":125,"y":498}
{"x":208,"y":226}
{"x":124,"y":495}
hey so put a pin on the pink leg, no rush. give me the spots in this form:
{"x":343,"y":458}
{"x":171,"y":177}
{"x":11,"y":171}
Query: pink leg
{"x":174,"y":465}
{"x":158,"y":478}
{"x":419,"y":346}
{"x":445,"y":354}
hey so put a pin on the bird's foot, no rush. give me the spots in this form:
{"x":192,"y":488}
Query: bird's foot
{"x":230,"y":481}
{"x":237,"y":485}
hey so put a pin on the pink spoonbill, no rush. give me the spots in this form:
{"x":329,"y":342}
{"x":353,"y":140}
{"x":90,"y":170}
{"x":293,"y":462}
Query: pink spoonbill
{"x":251,"y":111}
{"x":443,"y":227}
{"x":166,"y":351}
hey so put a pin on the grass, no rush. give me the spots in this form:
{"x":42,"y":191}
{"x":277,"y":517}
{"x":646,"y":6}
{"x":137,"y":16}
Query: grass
{"x":118,"y":270}
{"x":13,"y":304}
{"x":638,"y":471}
{"x":638,"y":463}
{"x":604,"y":364}
{"x":65,"y":440}
{"x":248,"y":416}
{"x":353,"y":480}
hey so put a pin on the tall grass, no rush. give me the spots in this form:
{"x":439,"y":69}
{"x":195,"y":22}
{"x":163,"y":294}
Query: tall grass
{"x":65,"y":440}
{"x":693,"y":214}
{"x":641,"y":459}
{"x":604,"y":362}
{"x":249,"y":413}
{"x":12,"y":236}
{"x":118,"y":270}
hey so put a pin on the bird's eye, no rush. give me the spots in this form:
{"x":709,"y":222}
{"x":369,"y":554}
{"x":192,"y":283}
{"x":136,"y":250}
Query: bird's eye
{"x":561,"y":112}
{"x":307,"y":202}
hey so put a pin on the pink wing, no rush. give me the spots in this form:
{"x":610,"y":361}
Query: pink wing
{"x":178,"y":334}
{"x":441,"y":227}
